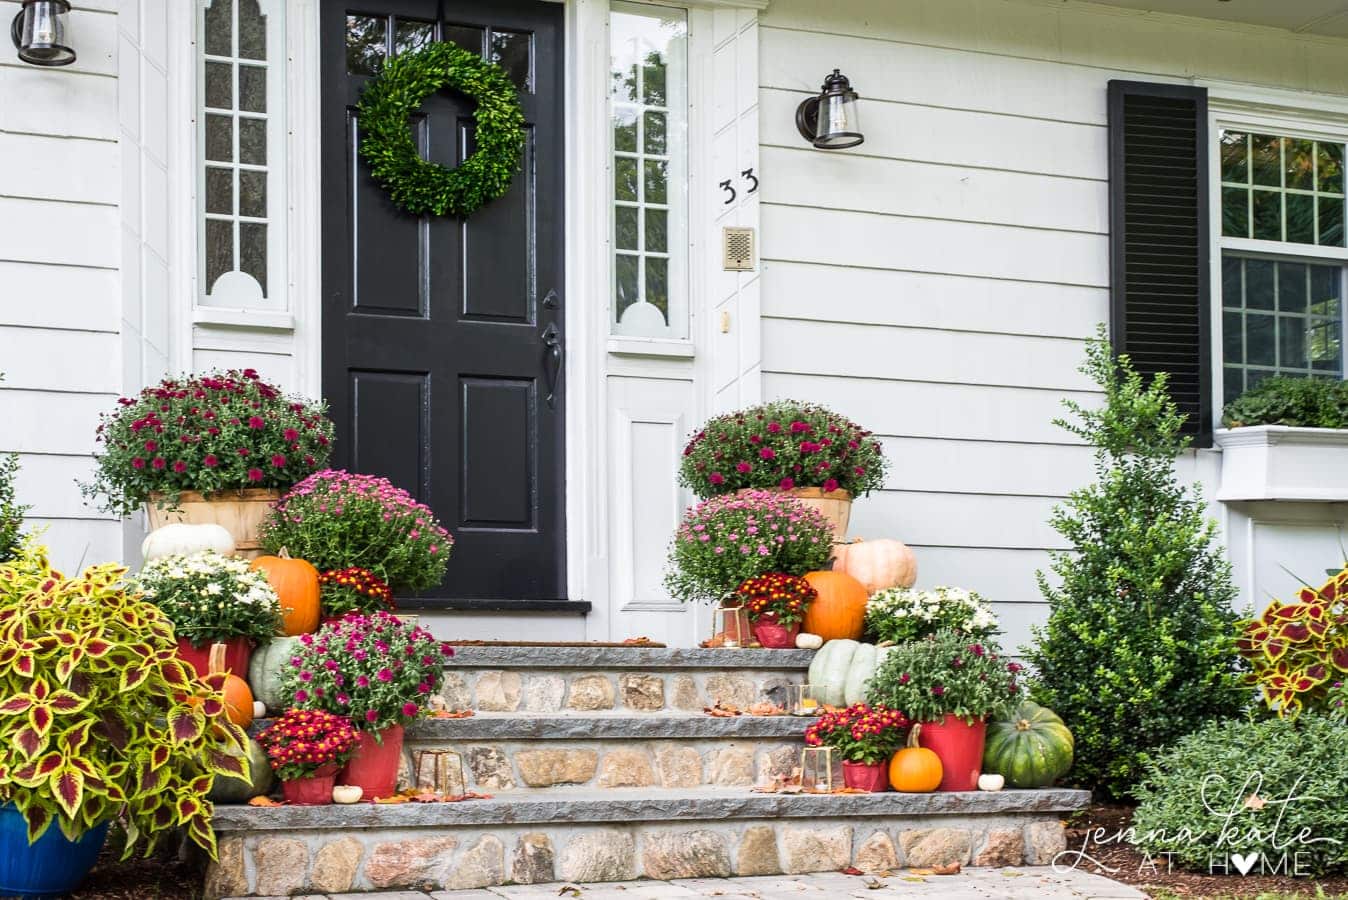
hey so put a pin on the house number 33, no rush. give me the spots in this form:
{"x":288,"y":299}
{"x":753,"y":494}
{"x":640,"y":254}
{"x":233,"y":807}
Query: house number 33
{"x":749,"y":176}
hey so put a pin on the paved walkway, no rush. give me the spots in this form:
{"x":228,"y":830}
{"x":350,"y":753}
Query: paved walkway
{"x":972,"y":884}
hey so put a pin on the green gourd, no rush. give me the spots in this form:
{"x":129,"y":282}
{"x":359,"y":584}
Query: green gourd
{"x":227,"y":789}
{"x":828,"y":670}
{"x":1030,"y":749}
{"x":264,"y":672}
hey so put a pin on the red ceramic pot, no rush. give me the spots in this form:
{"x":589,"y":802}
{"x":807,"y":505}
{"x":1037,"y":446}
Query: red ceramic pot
{"x":375,"y":766}
{"x":959,"y":746}
{"x":237,"y":653}
{"x":774,"y":635}
{"x":872,"y":777}
{"x":316,"y":790}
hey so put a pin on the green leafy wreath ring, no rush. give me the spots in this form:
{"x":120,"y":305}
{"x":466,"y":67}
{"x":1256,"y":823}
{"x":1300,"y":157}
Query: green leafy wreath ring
{"x":418,"y":185}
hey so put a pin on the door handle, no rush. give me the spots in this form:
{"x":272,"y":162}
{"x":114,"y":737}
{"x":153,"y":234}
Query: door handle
{"x":552,"y":362}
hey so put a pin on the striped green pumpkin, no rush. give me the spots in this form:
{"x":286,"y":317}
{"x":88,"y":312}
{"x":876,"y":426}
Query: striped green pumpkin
{"x":1031,"y":749}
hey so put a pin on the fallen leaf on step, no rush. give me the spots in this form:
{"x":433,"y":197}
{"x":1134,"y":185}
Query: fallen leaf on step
{"x":851,"y":870}
{"x":952,"y":869}
{"x":914,"y":878}
{"x":638,"y":640}
{"x":766,"y":708}
{"x":263,"y":801}
{"x":874,"y":884}
{"x":722,"y":710}
{"x":396,"y":798}
{"x":848,"y":790}
{"x":568,"y":890}
{"x":452,"y":714}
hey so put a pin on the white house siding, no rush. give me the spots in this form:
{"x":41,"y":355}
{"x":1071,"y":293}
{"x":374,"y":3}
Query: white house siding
{"x":937,"y":283}
{"x":60,"y":282}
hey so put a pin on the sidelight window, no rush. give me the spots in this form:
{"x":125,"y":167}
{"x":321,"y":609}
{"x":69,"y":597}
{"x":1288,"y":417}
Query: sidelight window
{"x":648,"y":111}
{"x":241,"y":153}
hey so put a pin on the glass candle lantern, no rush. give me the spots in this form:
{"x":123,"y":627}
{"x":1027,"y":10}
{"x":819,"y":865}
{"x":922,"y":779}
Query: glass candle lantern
{"x":441,"y":771}
{"x":816,"y":770}
{"x":805,"y":700}
{"x":730,"y":624}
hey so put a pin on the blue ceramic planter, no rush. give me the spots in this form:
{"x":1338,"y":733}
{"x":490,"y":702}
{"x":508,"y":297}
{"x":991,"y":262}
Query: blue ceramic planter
{"x":51,"y":867}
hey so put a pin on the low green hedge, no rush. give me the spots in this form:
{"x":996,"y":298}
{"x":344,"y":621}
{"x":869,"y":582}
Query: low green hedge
{"x":1299,"y":402}
{"x":1202,"y":797}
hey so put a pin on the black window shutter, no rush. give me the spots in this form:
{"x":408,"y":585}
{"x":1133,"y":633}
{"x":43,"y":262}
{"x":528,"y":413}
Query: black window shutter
{"x":1159,"y":243}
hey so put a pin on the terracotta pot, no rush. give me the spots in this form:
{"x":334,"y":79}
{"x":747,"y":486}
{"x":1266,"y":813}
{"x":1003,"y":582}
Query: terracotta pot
{"x":375,"y":766}
{"x":960,"y":748}
{"x":316,"y":790}
{"x":773,"y":635}
{"x":238,"y":651}
{"x":872,"y":777}
{"x":238,"y":512}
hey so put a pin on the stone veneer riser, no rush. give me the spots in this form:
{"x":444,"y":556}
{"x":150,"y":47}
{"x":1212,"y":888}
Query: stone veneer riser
{"x":313,"y":861}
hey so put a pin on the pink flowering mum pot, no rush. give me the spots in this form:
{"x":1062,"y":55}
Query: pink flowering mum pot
{"x":871,"y":777}
{"x":315,"y":790}
{"x":959,"y":746}
{"x":374,"y":767}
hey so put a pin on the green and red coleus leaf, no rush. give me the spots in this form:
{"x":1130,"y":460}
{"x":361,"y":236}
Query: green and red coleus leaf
{"x":38,"y":819}
{"x":186,"y":724}
{"x":67,"y":788}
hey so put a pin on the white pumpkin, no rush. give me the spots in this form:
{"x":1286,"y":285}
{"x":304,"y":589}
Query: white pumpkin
{"x":841,"y":671}
{"x":181,"y":538}
{"x":807,"y":641}
{"x":877,"y":564}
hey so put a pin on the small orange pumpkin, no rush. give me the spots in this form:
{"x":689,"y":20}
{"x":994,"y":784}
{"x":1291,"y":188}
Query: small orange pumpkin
{"x":296,"y":584}
{"x":915,"y":769}
{"x":878,"y":564}
{"x":840,"y":609}
{"x":238,"y":697}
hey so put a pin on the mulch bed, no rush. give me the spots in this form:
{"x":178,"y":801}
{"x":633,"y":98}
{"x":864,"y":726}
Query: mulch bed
{"x":1122,"y":862}
{"x":161,"y":877}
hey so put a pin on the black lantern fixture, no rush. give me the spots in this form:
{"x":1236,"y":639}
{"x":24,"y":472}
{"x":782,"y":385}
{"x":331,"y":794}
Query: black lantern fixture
{"x":39,"y":31}
{"x":829,"y":121}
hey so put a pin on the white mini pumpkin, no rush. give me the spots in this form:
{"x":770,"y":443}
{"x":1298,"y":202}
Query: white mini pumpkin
{"x":181,"y":538}
{"x":807,"y":641}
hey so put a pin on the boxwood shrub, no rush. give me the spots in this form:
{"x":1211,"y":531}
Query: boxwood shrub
{"x":1298,"y":402}
{"x":1250,"y":770}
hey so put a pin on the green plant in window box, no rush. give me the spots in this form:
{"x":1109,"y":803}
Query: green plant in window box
{"x":1296,"y":402}
{"x":99,"y":719}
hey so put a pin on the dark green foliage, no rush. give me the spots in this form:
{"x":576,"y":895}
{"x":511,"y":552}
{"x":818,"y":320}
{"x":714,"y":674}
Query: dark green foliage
{"x":1299,"y":402}
{"x":420,"y":186}
{"x":1139,"y":646}
{"x":1273,"y":760}
{"x":11,"y":513}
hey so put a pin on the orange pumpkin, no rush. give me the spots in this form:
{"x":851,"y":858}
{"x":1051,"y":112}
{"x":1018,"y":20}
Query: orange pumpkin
{"x":914,"y":769}
{"x":877,"y":564}
{"x":238,"y":697}
{"x":296,"y":584}
{"x":840,"y":609}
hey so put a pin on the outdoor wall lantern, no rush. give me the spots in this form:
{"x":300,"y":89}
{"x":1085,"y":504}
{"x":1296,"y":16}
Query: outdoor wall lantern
{"x":39,"y":31}
{"x":829,"y":121}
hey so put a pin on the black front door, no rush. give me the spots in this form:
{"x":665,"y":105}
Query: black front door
{"x":442,"y":337}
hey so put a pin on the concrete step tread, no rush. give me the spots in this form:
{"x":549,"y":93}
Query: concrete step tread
{"x":563,"y":805}
{"x":642,"y":658}
{"x":606,"y":726}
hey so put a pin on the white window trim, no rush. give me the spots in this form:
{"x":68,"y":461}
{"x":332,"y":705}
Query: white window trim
{"x":1264,"y":111}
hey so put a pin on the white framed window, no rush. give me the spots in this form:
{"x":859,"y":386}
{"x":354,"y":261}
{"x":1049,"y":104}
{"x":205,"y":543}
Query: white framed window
{"x":1283,"y":262}
{"x":241,"y":152}
{"x":648,"y":153}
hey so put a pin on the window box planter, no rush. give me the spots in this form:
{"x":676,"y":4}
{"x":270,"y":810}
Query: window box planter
{"x":1276,"y":462}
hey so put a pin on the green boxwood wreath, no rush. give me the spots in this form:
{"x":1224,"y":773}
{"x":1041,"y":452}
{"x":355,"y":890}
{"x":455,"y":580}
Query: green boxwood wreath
{"x":418,"y":185}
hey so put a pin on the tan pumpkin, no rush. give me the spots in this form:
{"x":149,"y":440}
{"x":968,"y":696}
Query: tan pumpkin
{"x":238,"y":698}
{"x":878,"y":564}
{"x":915,"y":769}
{"x":840,"y":609}
{"x":296,"y":584}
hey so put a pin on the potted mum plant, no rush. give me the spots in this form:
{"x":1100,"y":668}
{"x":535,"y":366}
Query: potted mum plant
{"x":214,"y":448}
{"x":378,"y":671}
{"x":306,"y":747}
{"x":803,"y":449}
{"x":353,"y":589}
{"x":951,"y":685}
{"x":336,"y":519}
{"x":905,"y":614}
{"x":212,"y":599}
{"x":866,"y":737}
{"x":99,"y":720}
{"x":776,"y":604}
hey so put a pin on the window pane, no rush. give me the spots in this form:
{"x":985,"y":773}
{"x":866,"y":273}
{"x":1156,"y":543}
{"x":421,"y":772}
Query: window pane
{"x":653,"y":91}
{"x":220,"y":191}
{"x":1299,"y":156}
{"x":1259,"y":349}
{"x":220,"y":138}
{"x":1267,"y":160}
{"x":219,"y":85}
{"x":252,"y":30}
{"x":253,"y":141}
{"x":1235,"y":157}
{"x":253,"y":89}
{"x":657,"y":284}
{"x":1330,"y":168}
{"x":253,"y":194}
{"x":1231,"y":286}
{"x":1236,"y":212}
{"x":1291,"y":342}
{"x":654,"y":125}
{"x":513,"y":51}
{"x":219,"y":250}
{"x":1331,"y":221}
{"x":625,"y":130}
{"x":625,"y":230}
{"x":1258,"y":284}
{"x":1233,"y":336}
{"x":468,"y":37}
{"x":253,"y":252}
{"x":657,"y":181}
{"x":1300,"y":218}
{"x":1267,"y":215}
{"x":1233,"y":383}
{"x":219,"y":28}
{"x":625,"y":179}
{"x":626,"y":290}
{"x":412,"y":35}
{"x":657,"y":230}
{"x":366,"y":40}
{"x":1292,"y":282}
{"x":1301,"y":338}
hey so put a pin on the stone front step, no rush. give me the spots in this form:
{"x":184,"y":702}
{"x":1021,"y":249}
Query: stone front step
{"x":638,"y":680}
{"x":592,"y":836}
{"x":519,"y":754}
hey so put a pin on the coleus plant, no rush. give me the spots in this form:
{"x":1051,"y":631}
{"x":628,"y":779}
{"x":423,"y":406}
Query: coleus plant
{"x":99,"y":719}
{"x":1298,"y":650}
